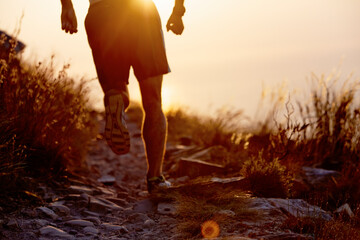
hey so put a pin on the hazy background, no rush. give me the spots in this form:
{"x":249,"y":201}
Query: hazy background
{"x":229,"y":52}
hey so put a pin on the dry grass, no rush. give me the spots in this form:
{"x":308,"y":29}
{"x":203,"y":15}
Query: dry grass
{"x":45,"y":120}
{"x":197,"y":205}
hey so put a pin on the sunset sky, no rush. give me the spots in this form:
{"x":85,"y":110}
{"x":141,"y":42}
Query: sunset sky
{"x":229,"y":52}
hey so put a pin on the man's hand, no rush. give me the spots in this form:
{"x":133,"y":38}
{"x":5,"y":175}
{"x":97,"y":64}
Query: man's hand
{"x":68,"y":19}
{"x":175,"y":24}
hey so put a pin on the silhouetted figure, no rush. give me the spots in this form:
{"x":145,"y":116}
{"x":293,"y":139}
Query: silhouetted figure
{"x":121,"y":34}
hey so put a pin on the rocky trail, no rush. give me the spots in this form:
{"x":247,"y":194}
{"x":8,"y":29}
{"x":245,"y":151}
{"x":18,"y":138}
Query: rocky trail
{"x":111,"y":202}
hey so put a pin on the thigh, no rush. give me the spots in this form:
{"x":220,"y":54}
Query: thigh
{"x":149,"y":58}
{"x":107,"y":27}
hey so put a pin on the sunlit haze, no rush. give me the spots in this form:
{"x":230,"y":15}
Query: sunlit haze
{"x":230,"y":50}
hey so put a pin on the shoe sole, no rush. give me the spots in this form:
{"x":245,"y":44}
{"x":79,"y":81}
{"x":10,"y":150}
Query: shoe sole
{"x":116,"y":132}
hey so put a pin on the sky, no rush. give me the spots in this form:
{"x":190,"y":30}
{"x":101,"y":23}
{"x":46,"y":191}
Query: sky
{"x":230,"y":51}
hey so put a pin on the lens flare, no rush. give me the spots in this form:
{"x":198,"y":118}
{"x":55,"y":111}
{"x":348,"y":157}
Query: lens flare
{"x":210,"y":229}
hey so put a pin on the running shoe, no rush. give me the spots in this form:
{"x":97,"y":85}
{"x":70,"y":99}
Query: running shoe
{"x":116,"y":132}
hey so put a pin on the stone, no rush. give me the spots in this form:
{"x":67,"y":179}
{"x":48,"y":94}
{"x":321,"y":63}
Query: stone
{"x":118,"y":201}
{"x":149,"y":223}
{"x":182,"y":179}
{"x":196,"y":168}
{"x":55,"y":233}
{"x":38,"y":223}
{"x":80,"y":189}
{"x":166,"y":209}
{"x":103,"y":206}
{"x":93,"y":219}
{"x":111,"y":227}
{"x":122,"y":195}
{"x":345,"y":209}
{"x":13,"y":224}
{"x":299,"y":208}
{"x":227,"y":213}
{"x":107,"y":180}
{"x":60,"y":209}
{"x":91,"y":231}
{"x":47,"y":212}
{"x":89,"y":213}
{"x":104,"y":191}
{"x":317,"y":177}
{"x":79,"y":223}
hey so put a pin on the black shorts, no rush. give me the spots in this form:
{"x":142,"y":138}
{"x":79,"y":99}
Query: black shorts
{"x":125,"y":33}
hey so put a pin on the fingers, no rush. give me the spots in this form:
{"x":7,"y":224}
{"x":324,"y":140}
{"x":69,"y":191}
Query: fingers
{"x":68,"y":21}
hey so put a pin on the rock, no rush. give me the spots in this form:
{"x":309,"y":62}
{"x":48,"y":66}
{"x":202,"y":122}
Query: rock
{"x":227,"y":213}
{"x":145,"y":205}
{"x":107,"y":180}
{"x":149,"y":223}
{"x":345,"y":209}
{"x":103,"y":206}
{"x":55,"y":233}
{"x":38,"y":223}
{"x":13,"y":224}
{"x":299,"y":208}
{"x":73,"y":232}
{"x":122,"y":195}
{"x":47,"y":212}
{"x":111,"y":227}
{"x":195,"y":168}
{"x":182,"y":179}
{"x":80,"y":189}
{"x":118,"y":201}
{"x":166,"y":209}
{"x":79,"y":223}
{"x":89,"y":213}
{"x":91,"y":231}
{"x":104,"y":191}
{"x":95,"y":220}
{"x":60,"y":209}
{"x":318,"y":177}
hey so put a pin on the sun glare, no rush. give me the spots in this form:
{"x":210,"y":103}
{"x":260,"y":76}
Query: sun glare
{"x":166,"y":98}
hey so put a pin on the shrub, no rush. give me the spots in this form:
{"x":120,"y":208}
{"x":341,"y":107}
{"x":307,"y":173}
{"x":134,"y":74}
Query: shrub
{"x":266,"y":178}
{"x":45,"y":120}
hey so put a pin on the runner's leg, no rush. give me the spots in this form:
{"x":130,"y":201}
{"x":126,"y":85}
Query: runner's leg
{"x":154,"y":128}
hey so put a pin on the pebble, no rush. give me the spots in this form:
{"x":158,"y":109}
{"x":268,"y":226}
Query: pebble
{"x":60,"y":209}
{"x":80,"y":223}
{"x":55,"y":233}
{"x":38,"y":223}
{"x":111,"y":227}
{"x":95,"y":220}
{"x":107,"y":180}
{"x":80,"y":190}
{"x":149,"y":223}
{"x":91,"y":231}
{"x":47,"y":212}
{"x":13,"y":224}
{"x":103,"y":206}
{"x":227,"y":213}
